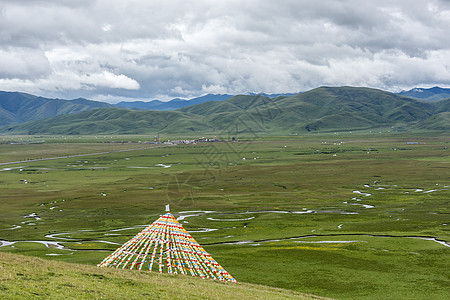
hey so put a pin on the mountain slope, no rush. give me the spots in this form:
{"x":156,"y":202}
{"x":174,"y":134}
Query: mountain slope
{"x":25,"y":277}
{"x":172,"y":104}
{"x":20,"y":107}
{"x":114,"y":120}
{"x":432,"y":94}
{"x":440,"y":121}
{"x":234,"y":104}
{"x":322,"y":109}
{"x":357,"y":108}
{"x":6,"y":117}
{"x":181,"y":103}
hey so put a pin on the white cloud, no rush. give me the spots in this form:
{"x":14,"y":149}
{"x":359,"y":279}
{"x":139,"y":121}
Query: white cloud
{"x":70,"y":81}
{"x":23,"y":63}
{"x":107,"y":27}
{"x":149,"y":49}
{"x":110,"y":98}
{"x":108,"y":80}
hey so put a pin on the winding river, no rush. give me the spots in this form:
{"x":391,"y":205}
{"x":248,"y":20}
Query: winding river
{"x":57,"y":240}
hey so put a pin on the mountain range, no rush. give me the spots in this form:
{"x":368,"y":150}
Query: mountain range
{"x":180,"y":103}
{"x":20,"y":107}
{"x":318,"y":110}
{"x":432,"y":94}
{"x":172,"y":104}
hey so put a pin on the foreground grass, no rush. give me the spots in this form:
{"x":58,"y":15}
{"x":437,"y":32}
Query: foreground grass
{"x":23,"y":277}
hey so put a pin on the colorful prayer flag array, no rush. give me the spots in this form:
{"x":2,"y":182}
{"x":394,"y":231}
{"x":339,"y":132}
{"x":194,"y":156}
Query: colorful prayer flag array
{"x":166,"y":246}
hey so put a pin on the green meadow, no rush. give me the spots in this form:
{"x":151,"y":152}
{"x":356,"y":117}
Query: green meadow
{"x":25,"y":277}
{"x":340,"y":215}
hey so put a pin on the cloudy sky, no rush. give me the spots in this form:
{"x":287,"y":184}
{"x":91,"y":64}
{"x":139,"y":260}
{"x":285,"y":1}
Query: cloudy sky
{"x":112,"y":50}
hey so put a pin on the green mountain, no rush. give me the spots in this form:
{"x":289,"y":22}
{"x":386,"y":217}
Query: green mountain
{"x":325,"y":108}
{"x":113,"y":120}
{"x":319,"y":110}
{"x":172,"y":104}
{"x":180,"y":103}
{"x":20,"y":107}
{"x":439,"y":121}
{"x":354,"y":108}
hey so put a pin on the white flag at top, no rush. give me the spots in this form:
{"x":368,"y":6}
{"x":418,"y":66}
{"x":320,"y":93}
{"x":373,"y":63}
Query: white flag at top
{"x":167,"y":207}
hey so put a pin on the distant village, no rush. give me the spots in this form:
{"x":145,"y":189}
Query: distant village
{"x":157,"y":140}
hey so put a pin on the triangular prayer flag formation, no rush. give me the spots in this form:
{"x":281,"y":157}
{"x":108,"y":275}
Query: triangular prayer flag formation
{"x":165,"y":244}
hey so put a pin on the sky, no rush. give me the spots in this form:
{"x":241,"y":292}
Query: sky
{"x":127,"y":50}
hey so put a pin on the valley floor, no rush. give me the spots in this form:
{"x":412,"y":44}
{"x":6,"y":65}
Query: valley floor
{"x":344,"y":216}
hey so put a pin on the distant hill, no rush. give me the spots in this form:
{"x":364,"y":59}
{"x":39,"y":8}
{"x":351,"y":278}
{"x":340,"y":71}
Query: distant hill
{"x":320,"y":110}
{"x":16,"y":108}
{"x":356,"y":108}
{"x":439,"y":121}
{"x":180,"y":103}
{"x":432,"y":94}
{"x":273,"y":95}
{"x":172,"y":104}
{"x":20,"y":107}
{"x":113,"y":120}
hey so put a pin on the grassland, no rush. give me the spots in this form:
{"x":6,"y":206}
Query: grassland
{"x":26,"y":277}
{"x":339,"y":215}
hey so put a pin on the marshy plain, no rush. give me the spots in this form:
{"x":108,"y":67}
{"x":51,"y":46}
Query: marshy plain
{"x":340,"y":215}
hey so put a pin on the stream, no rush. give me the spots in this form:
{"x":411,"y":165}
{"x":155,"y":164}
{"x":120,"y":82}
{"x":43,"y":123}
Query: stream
{"x":434,"y":239}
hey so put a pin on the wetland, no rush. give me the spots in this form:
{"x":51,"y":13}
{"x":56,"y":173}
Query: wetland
{"x":336,"y":215}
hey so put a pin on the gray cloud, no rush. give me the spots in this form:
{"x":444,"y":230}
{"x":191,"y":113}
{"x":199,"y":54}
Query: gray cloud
{"x":113,"y":50}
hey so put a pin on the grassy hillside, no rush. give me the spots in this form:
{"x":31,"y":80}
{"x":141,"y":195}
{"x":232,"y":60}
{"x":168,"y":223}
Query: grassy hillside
{"x":172,"y":104}
{"x":23,"y":277}
{"x":116,"y":120}
{"x":21,"y":107}
{"x":439,"y":121}
{"x":323,"y":109}
{"x":7,"y":117}
{"x":355,"y":108}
